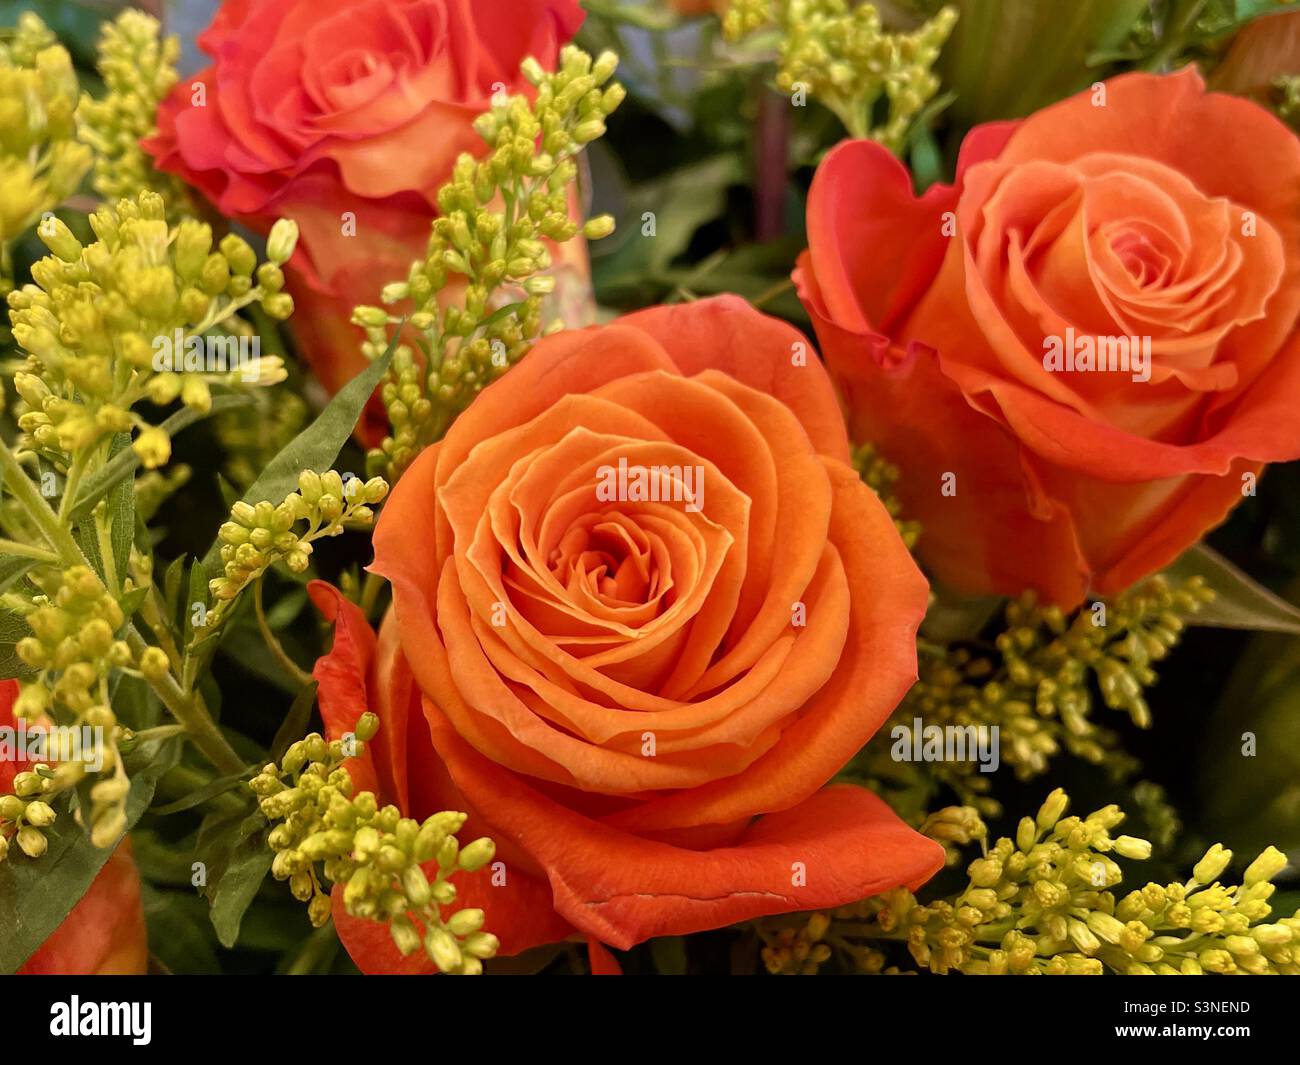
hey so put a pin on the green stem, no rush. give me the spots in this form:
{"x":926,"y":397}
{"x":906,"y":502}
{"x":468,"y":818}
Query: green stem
{"x":24,"y":491}
{"x":188,"y":709}
{"x":13,"y":547}
{"x":321,"y":945}
{"x":159,"y":732}
{"x":768,"y":294}
{"x":105,"y":537}
{"x":79,"y":463}
{"x":370,"y":590}
{"x":272,"y":641}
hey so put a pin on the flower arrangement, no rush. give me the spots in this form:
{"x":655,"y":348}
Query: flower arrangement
{"x":650,"y":487}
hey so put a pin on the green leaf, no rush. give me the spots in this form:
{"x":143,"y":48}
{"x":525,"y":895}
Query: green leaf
{"x":130,"y":601}
{"x":295,"y":721}
{"x":121,"y":512}
{"x":196,"y":596}
{"x":317,"y":446}
{"x":87,"y":539}
{"x":952,"y":616}
{"x":13,"y":627}
{"x":641,"y":16}
{"x":163,"y":862}
{"x":238,"y":858}
{"x":681,"y":202}
{"x":198,"y":796}
{"x":14,"y":569}
{"x":1239,"y":603}
{"x":172,"y":578}
{"x":36,"y":895}
{"x":177,"y":934}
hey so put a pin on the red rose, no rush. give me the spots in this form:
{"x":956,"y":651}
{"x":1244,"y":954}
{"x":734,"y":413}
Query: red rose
{"x":314,"y":109}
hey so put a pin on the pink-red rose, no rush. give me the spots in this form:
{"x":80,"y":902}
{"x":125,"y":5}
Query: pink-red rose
{"x":346,"y":116}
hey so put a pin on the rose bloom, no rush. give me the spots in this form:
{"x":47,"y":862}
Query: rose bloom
{"x":316,"y":108}
{"x":104,"y":935}
{"x":640,"y":701}
{"x":1154,"y":211}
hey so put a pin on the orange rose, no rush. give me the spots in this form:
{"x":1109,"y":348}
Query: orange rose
{"x":104,"y":935}
{"x":1145,"y":209}
{"x":640,"y":701}
{"x":315,"y":109}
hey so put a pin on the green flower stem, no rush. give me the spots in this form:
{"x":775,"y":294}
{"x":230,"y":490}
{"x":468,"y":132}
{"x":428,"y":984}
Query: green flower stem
{"x":153,"y":611}
{"x":58,"y":537}
{"x":182,"y":781}
{"x":104,"y":535}
{"x":273,"y":642}
{"x":13,"y":547}
{"x":80,"y":462}
{"x":188,"y":708}
{"x":370,"y":592}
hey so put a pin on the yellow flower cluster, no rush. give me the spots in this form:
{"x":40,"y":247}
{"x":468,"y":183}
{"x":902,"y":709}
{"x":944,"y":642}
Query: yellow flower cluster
{"x":839,"y":53}
{"x":26,"y":812}
{"x":138,"y":67}
{"x":41,"y":162}
{"x":1288,"y":93}
{"x":498,"y":214}
{"x":325,"y":831}
{"x":147,"y":311}
{"x":1044,"y":903}
{"x":258,"y":536}
{"x":73,"y":651}
{"x":1038,"y":689}
{"x":880,"y":475}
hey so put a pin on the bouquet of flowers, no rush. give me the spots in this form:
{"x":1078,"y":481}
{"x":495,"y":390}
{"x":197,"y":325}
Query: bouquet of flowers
{"x":525,"y":486}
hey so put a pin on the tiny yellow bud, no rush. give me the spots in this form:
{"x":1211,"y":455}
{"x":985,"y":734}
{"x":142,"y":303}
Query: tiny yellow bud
{"x":1265,"y":867}
{"x":599,"y":227}
{"x":477,"y":854}
{"x":154,"y":664}
{"x":1211,"y":867}
{"x":1132,"y":847}
{"x":32,"y":841}
{"x":464,"y":922}
{"x":283,"y":240}
{"x":60,"y":239}
{"x":1052,"y":810}
{"x":238,"y":254}
{"x":367,"y":726}
{"x":153,"y":446}
{"x":278,"y":306}
{"x":405,"y":935}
